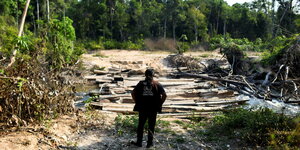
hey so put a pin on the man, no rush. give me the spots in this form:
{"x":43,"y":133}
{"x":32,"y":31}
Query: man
{"x":148,"y":95}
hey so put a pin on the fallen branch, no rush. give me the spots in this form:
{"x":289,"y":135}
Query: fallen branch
{"x":212,"y":78}
{"x":17,"y":78}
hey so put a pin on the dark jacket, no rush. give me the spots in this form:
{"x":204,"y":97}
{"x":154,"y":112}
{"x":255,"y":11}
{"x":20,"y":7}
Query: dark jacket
{"x":148,"y":96}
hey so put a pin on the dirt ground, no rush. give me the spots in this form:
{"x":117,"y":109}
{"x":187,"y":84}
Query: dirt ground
{"x":139,"y":60}
{"x":96,"y":129}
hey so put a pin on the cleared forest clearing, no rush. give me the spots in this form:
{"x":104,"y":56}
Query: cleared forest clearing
{"x":109,"y":76}
{"x":185,"y":95}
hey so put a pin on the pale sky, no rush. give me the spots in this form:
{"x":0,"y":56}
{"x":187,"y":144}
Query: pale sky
{"x":231,"y":2}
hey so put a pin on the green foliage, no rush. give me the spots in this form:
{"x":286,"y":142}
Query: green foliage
{"x":90,"y":99}
{"x":8,"y":33}
{"x":21,"y":82}
{"x":254,"y":127}
{"x":241,"y":44}
{"x":183,"y":47}
{"x":196,"y":123}
{"x":129,"y":123}
{"x":276,"y":47}
{"x":113,"y":44}
{"x":132,"y":45}
{"x":26,"y":44}
{"x":93,"y":45}
{"x":126,"y":123}
{"x":22,"y":43}
{"x":297,"y":22}
{"x":61,"y":37}
{"x":128,"y":21}
{"x":133,"y":19}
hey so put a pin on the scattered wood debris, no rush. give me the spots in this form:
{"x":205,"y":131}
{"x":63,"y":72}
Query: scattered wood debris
{"x":186,"y":95}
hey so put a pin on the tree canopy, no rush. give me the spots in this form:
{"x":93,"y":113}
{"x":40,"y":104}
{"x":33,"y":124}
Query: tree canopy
{"x":198,"y":20}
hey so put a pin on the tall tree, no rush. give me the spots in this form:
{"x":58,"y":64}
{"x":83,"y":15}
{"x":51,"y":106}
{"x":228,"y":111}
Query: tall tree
{"x":197,"y":20}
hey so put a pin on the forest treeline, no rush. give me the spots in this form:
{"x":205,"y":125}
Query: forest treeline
{"x":191,"y":21}
{"x":36,"y":86}
{"x":197,"y":19}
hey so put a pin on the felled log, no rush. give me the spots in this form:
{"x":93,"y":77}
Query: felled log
{"x":100,"y":72}
{"x":104,"y":91}
{"x":114,"y":96}
{"x":195,"y":108}
{"x":185,"y":115}
{"x":182,"y":103}
{"x":292,"y":101}
{"x":222,"y":102}
{"x":183,"y":74}
{"x":101,"y":81}
{"x":120,"y":110}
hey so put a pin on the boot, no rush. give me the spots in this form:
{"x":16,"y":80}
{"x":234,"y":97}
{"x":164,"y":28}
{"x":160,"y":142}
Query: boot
{"x":149,"y":144}
{"x":138,"y":144}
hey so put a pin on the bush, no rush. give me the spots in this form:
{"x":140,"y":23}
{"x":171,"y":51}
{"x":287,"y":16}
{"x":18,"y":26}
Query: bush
{"x":60,"y":43}
{"x":32,"y":92}
{"x":256,"y":127}
{"x":111,"y":44}
{"x":276,"y":48}
{"x":183,"y":47}
{"x":243,"y":44}
{"x":133,"y":45}
{"x":93,"y":45}
{"x":8,"y":34}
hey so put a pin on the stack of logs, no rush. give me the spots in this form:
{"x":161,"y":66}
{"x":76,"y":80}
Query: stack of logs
{"x":186,"y":96}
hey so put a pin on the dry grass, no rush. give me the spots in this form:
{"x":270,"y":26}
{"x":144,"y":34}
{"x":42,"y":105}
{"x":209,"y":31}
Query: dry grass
{"x":161,"y":44}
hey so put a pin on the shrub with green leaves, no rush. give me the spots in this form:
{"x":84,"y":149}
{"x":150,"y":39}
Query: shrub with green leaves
{"x":26,"y":44}
{"x":8,"y":34}
{"x":276,"y":48}
{"x":256,"y":127}
{"x":61,"y":37}
{"x":183,"y":47}
{"x":243,"y":44}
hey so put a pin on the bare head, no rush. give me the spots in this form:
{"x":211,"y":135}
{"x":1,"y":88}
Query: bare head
{"x":149,"y":73}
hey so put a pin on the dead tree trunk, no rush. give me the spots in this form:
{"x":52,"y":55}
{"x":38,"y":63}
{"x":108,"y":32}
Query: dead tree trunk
{"x":196,"y":32}
{"x":13,"y":57}
{"x":38,"y":13}
{"x":48,"y":11}
{"x":165,"y":28}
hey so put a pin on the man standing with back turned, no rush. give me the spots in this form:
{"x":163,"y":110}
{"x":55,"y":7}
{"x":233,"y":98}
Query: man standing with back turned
{"x":148,"y":95}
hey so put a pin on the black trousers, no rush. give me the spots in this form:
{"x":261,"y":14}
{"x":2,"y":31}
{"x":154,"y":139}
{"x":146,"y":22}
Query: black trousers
{"x":143,"y":117}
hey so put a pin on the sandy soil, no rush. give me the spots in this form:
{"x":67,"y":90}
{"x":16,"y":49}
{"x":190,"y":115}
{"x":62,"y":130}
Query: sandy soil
{"x":139,"y":60}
